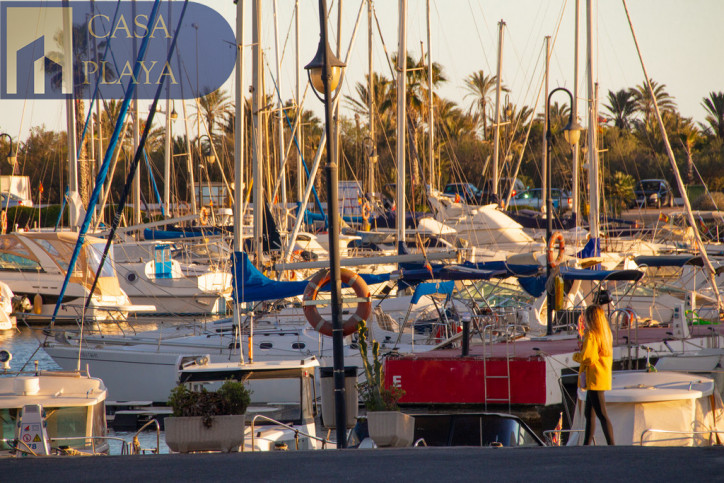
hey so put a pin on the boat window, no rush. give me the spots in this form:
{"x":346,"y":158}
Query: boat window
{"x":99,"y":419}
{"x":8,"y":426}
{"x":298,"y":345}
{"x":54,"y":253}
{"x":15,"y":256}
{"x":265,"y":345}
{"x":94,"y":253}
{"x":66,"y":423}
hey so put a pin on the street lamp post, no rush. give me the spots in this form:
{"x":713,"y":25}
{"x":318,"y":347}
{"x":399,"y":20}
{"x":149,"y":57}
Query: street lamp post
{"x":12,"y":155}
{"x":324,"y":73}
{"x":572,"y":133}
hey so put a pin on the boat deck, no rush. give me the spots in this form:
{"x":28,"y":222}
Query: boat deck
{"x":524,"y":372}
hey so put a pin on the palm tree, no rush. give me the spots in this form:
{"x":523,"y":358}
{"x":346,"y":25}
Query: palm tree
{"x":714,"y":105}
{"x":215,"y":107}
{"x":644,"y":102}
{"x":480,"y":87}
{"x":621,"y":105}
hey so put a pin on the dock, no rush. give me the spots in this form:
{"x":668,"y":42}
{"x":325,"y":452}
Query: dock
{"x":617,"y":463}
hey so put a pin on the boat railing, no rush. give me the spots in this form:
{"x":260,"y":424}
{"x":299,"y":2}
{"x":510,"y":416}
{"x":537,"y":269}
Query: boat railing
{"x":626,"y":318}
{"x":549,"y":434}
{"x":648,"y":431}
{"x":420,"y":442}
{"x":297,"y":432}
{"x":136,"y":446}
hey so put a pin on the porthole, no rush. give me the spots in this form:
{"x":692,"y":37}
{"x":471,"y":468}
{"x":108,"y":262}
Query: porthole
{"x":265,"y":345}
{"x":298,"y":345}
{"x":132,"y":277}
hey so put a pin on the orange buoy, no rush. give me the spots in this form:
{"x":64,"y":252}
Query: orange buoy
{"x":556,"y":237}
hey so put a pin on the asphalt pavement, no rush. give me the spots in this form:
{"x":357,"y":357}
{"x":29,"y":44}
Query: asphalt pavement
{"x":399,"y":465}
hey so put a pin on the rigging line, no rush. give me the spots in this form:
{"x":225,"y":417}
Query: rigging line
{"x":104,"y":169}
{"x":477,"y":30}
{"x":139,"y":151}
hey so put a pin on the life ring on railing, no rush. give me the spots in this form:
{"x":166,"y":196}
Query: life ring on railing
{"x":204,"y":216}
{"x":556,"y":237}
{"x":4,"y":221}
{"x":366,"y":211}
{"x":349,"y":278}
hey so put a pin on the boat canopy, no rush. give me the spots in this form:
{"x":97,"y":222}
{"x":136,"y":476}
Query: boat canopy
{"x":669,"y":260}
{"x":254,"y":286}
{"x":600,"y":275}
{"x":429,"y":288}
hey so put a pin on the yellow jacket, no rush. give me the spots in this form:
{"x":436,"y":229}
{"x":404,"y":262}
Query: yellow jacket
{"x":596,"y":365}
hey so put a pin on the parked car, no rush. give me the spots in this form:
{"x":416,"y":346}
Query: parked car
{"x":467,"y":192}
{"x":533,"y":199}
{"x":654,"y":192}
{"x":14,"y":200}
{"x":504,"y":186}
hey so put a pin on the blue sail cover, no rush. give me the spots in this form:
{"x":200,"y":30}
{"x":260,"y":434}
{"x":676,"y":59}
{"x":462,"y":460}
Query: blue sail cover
{"x":429,"y":288}
{"x":592,"y":249}
{"x":254,"y":286}
{"x":599,"y":275}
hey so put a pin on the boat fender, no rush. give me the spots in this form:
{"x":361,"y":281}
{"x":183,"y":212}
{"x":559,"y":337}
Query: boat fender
{"x":352,"y":280}
{"x":38,"y":304}
{"x":559,"y":292}
{"x":556,"y":237}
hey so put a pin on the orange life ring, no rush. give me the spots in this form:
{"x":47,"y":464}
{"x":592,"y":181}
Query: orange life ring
{"x":366,"y":211}
{"x":349,"y":278}
{"x":556,"y":237}
{"x":4,"y":221}
{"x":204,"y":216}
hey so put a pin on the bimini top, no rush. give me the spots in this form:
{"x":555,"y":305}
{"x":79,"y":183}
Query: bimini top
{"x":222,"y":371}
{"x":669,"y":260}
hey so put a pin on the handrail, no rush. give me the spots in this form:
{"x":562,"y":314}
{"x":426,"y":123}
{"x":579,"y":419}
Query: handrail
{"x":137,"y":445}
{"x":93,"y":439}
{"x":419,"y":442}
{"x":670,"y":431}
{"x":549,"y":432}
{"x":297,"y":432}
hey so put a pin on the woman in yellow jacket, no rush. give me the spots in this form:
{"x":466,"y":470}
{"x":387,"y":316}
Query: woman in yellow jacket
{"x":596,"y":358}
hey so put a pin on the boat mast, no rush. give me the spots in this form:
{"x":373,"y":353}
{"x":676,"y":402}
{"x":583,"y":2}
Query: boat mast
{"x":256,"y":144}
{"x":239,"y":152}
{"x":593,"y":181}
{"x":167,"y":155}
{"x":298,"y":131}
{"x":431,"y":106}
{"x":136,"y":142}
{"x":401,"y":119}
{"x":70,"y":114}
{"x":372,"y":154}
{"x":280,"y":113}
{"x":544,"y":178}
{"x":574,"y":109}
{"x":498,"y":87}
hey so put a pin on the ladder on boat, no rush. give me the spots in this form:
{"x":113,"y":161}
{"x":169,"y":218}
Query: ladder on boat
{"x":503,"y":376}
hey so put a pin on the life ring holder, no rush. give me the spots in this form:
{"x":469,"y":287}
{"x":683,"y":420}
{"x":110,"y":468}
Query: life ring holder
{"x":352,"y":280}
{"x":204,"y":216}
{"x":556,"y":237}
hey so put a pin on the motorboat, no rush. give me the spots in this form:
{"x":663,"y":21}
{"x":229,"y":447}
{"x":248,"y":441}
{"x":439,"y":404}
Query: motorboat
{"x":282,"y":409}
{"x":51,"y":412}
{"x":7,"y":320}
{"x":34,"y":266}
{"x":658,"y":409}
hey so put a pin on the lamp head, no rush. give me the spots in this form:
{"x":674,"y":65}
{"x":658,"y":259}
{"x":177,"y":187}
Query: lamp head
{"x":572,"y":131}
{"x":315,"y":68}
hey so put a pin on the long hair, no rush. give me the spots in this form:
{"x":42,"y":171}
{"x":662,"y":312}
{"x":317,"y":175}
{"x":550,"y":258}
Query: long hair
{"x":597,"y":324}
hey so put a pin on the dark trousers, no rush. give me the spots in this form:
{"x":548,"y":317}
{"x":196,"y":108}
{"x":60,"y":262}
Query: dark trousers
{"x":596,"y":402}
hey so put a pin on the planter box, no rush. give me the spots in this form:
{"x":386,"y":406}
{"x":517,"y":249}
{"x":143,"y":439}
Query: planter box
{"x":189,"y":434}
{"x":391,"y":428}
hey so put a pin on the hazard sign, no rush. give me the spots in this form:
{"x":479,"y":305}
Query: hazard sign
{"x":37,"y":439}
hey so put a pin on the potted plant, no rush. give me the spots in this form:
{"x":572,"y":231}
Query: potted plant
{"x":386,"y":424}
{"x":207,"y":420}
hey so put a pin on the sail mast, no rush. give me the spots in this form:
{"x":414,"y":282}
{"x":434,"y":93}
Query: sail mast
{"x":401,"y":119}
{"x":498,"y":88}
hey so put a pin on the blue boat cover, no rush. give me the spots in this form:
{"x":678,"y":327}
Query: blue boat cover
{"x":254,"y":286}
{"x":592,"y":249}
{"x":600,"y":275}
{"x":669,"y":260}
{"x":429,"y":288}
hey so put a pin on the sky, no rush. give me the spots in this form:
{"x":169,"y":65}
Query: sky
{"x":680,"y":43}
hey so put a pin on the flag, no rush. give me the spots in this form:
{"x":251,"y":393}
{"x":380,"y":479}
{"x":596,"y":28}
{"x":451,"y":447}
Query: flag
{"x":40,"y":188}
{"x":664,"y":217}
{"x":556,"y":439}
{"x":457,"y":197}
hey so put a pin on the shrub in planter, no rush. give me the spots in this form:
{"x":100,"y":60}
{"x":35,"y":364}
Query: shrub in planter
{"x":232,"y":398}
{"x":374,"y":393}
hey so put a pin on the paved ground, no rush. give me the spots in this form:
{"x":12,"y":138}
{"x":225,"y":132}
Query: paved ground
{"x":398,"y":465}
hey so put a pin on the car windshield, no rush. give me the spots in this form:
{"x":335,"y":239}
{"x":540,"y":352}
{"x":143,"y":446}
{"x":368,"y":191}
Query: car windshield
{"x":649,"y":185}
